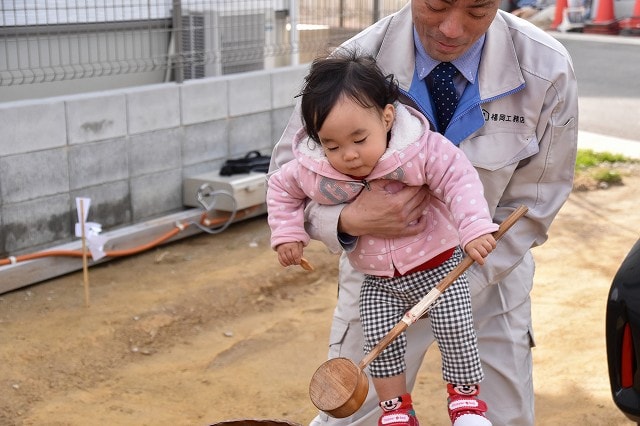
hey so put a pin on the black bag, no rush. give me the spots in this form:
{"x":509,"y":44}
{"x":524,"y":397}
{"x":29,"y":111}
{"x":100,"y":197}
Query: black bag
{"x":252,"y":162}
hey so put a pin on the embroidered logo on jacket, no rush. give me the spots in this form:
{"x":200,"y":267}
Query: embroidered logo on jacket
{"x":499,"y":116}
{"x":338,"y":192}
{"x":397,"y":174}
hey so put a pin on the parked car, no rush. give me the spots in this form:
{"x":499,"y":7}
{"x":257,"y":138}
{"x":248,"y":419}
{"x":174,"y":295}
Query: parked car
{"x":623,"y":335}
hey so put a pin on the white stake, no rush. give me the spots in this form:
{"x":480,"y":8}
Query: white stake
{"x":85,"y":269}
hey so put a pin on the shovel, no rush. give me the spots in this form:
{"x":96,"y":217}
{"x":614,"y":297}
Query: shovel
{"x":339,"y":386}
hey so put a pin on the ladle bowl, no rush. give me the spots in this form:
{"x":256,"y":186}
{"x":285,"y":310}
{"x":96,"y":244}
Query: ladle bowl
{"x":338,"y":387}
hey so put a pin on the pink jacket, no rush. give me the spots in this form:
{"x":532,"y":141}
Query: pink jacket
{"x":457,"y":211}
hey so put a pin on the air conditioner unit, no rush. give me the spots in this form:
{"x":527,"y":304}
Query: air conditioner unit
{"x":217,"y":42}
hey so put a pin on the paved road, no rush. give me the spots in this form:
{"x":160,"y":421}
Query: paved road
{"x":608,"y":72}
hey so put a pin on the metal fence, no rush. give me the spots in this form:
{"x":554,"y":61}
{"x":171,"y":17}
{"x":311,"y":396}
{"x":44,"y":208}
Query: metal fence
{"x":60,"y":40}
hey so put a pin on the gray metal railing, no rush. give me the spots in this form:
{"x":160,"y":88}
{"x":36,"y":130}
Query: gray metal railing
{"x":43,"y":41}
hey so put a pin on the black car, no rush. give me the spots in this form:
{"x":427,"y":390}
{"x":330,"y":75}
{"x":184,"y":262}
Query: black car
{"x":623,"y":335}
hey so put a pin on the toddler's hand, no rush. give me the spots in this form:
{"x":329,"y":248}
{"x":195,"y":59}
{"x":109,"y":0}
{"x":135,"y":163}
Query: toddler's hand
{"x":480,"y":248}
{"x":290,"y":253}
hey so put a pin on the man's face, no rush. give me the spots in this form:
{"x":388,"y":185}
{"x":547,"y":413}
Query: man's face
{"x":448,"y":28}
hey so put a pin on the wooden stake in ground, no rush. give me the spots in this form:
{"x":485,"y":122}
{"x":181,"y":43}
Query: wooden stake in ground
{"x":85,"y":268}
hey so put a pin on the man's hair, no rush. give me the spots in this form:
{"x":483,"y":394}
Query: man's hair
{"x":344,"y":73}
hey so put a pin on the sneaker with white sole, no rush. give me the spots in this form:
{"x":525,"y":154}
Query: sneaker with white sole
{"x":400,"y":417}
{"x":398,"y":412}
{"x":465,"y":408}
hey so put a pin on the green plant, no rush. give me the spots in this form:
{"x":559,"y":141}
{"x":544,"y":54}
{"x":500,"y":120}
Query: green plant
{"x":600,"y":167}
{"x":587,"y":158}
{"x":607,"y":175}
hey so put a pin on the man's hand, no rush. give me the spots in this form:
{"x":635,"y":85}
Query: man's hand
{"x":381,"y":213}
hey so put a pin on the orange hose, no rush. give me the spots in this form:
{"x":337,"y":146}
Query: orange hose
{"x":119,"y":253}
{"x":135,"y":250}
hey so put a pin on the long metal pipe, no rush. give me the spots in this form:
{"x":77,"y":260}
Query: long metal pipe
{"x":294,"y":36}
{"x":177,"y":39}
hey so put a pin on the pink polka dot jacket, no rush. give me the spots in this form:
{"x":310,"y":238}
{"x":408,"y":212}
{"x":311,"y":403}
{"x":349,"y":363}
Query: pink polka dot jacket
{"x":457,"y":212}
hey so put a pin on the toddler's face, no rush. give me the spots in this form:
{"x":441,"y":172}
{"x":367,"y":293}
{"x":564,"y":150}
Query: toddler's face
{"x":354,"y":138}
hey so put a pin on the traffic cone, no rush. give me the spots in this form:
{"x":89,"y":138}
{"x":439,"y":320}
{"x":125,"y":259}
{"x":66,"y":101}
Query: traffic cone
{"x":604,"y":21}
{"x":604,"y":13}
{"x":561,"y":5}
{"x":631,"y":26}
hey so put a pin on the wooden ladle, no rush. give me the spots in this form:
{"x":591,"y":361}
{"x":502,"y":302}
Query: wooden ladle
{"x":339,"y":386}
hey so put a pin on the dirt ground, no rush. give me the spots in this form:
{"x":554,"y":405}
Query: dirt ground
{"x":211,"y":328}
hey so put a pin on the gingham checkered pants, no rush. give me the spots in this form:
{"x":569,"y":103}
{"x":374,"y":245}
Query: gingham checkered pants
{"x":384,"y":301}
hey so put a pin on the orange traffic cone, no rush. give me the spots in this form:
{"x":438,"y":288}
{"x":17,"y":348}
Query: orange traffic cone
{"x":604,"y":21}
{"x":561,"y":5}
{"x":631,"y":26}
{"x":604,"y":13}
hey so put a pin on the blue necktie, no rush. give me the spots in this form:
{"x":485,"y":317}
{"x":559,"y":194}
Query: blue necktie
{"x":444,"y":93}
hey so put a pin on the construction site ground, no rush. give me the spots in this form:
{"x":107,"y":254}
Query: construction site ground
{"x":211,"y":328}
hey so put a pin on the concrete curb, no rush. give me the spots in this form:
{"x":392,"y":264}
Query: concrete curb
{"x":604,"y":143}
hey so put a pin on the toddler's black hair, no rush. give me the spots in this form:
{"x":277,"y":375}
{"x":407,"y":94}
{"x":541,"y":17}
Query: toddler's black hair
{"x":344,"y":73}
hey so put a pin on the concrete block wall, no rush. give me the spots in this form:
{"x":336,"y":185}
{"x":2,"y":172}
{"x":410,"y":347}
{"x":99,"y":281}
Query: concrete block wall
{"x":128,"y":150}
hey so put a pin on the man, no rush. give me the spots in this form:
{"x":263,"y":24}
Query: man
{"x":516,"y":120}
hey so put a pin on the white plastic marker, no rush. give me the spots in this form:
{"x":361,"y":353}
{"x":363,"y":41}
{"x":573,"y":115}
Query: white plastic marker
{"x":89,"y":234}
{"x":91,"y":229}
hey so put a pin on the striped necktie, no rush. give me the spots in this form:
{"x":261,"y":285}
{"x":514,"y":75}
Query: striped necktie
{"x":444,"y":93}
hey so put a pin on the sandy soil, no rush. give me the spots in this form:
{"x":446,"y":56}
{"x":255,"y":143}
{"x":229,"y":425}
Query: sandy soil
{"x":211,"y":328}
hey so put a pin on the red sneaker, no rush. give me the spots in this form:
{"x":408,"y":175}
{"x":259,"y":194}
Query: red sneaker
{"x":399,"y":417}
{"x":398,"y":412}
{"x":465,"y":408}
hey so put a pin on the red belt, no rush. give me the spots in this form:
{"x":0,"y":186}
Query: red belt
{"x":434,"y":262}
